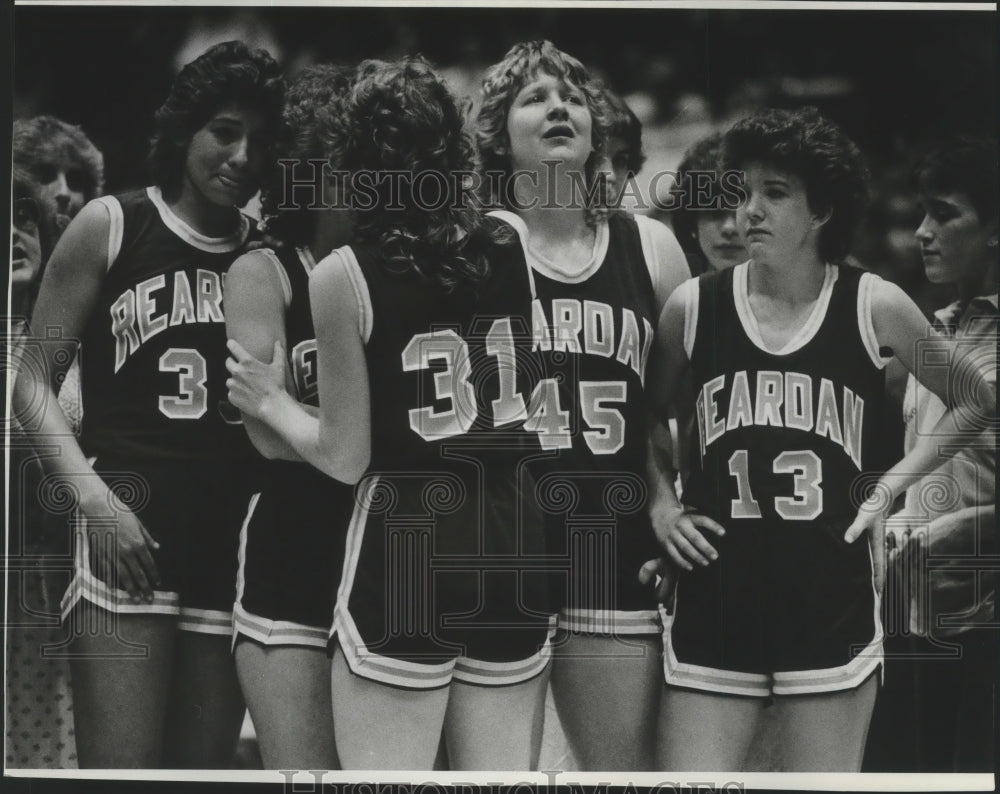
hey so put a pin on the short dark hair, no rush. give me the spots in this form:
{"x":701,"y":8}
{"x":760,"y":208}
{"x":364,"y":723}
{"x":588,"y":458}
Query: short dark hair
{"x":805,"y":143}
{"x":230,"y":72}
{"x":46,"y":139}
{"x":313,"y":127}
{"x":626,"y":126}
{"x":702,"y":157}
{"x":964,"y":164}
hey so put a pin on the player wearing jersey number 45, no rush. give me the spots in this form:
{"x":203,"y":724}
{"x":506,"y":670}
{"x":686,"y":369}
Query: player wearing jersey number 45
{"x":160,"y":470}
{"x":598,"y":281}
{"x":784,"y":602}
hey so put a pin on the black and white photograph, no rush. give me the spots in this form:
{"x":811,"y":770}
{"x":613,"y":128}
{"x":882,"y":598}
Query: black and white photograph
{"x":557,"y":393}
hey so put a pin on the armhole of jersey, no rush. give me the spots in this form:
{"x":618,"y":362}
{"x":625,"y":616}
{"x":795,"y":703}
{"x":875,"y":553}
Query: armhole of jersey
{"x":279,"y":269}
{"x":521,"y":231}
{"x":691,"y":301}
{"x":360,"y":286}
{"x":865,"y":325}
{"x":648,"y":244}
{"x":116,"y":228}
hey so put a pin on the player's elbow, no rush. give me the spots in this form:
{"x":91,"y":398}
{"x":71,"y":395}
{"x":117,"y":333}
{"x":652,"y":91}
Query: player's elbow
{"x":345,"y":463}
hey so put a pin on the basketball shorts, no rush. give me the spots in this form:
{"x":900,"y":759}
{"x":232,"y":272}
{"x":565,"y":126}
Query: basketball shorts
{"x":788,"y":608}
{"x":444,"y":579}
{"x":194,"y":511}
{"x":598,"y":536}
{"x":291,"y":556}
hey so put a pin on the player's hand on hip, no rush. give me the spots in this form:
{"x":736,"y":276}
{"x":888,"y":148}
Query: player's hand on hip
{"x":871,"y":515}
{"x":681,"y":533}
{"x":661,"y":573}
{"x":130,"y":557}
{"x":253,"y":384}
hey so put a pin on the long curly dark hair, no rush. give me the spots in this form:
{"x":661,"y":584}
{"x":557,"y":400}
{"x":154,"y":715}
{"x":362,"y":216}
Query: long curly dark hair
{"x":406,"y":140}
{"x":230,"y":72}
{"x":501,"y":85}
{"x":313,"y":125}
{"x":805,"y":143}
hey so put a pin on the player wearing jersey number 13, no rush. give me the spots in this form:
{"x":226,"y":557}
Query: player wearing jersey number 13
{"x":783,"y":602}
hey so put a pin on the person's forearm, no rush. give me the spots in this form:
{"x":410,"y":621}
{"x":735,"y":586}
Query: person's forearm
{"x":301,"y":430}
{"x":955,"y":430}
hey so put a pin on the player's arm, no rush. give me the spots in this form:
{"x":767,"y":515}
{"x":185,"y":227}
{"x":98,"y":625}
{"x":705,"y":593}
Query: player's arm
{"x":66,"y":299}
{"x":670,"y":267}
{"x":337,"y":441}
{"x":678,"y":529}
{"x":256,"y":302}
{"x":966,"y":386}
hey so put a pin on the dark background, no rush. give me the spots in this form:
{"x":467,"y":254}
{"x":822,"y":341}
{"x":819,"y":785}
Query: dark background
{"x":891,"y":78}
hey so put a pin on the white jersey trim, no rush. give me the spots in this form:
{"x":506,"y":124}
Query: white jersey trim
{"x":649,"y":252}
{"x":213,"y":245}
{"x":276,"y":632}
{"x":549,"y":269}
{"x":708,"y":679}
{"x":692,"y":295}
{"x":279,"y":269}
{"x":865,"y":323}
{"x":741,"y":294}
{"x":349,"y":261}
{"x":116,"y":229}
{"x":614,"y":622}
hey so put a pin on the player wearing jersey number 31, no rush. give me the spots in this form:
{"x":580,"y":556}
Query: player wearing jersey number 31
{"x":774,"y":596}
{"x":438,"y":628}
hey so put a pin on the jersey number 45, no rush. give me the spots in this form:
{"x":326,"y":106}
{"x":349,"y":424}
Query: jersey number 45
{"x":542,"y":413}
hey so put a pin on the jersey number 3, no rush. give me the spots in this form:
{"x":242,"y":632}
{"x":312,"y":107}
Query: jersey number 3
{"x":805,"y":503}
{"x":191,"y":401}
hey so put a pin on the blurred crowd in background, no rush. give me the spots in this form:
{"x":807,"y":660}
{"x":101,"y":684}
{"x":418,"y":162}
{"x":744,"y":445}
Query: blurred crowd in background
{"x":892,"y":79}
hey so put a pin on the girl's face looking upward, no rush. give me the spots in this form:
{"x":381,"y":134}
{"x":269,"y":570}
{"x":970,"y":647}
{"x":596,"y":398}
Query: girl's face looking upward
{"x":549,"y":120}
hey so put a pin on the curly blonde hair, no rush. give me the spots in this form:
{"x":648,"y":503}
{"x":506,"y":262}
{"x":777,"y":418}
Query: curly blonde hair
{"x":501,"y":85}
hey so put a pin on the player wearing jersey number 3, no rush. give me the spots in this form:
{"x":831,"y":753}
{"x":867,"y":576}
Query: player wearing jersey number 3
{"x":786,"y":354}
{"x":160,"y":470}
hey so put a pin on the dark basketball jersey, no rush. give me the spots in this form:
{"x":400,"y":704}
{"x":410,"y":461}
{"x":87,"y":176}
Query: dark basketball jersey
{"x":154,"y":349}
{"x":293,"y":547}
{"x":593,"y":331}
{"x":446,"y":369}
{"x":442,"y":535}
{"x":783,"y":437}
{"x":784,"y":440}
{"x":293,"y":266}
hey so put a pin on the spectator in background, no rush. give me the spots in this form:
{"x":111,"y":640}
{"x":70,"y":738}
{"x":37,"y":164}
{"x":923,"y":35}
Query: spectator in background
{"x":62,"y":161}
{"x":709,"y":237}
{"x":39,"y":718}
{"x":31,"y":236}
{"x":940,"y":717}
{"x":56,"y":169}
{"x":623,"y":147}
